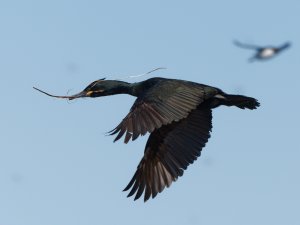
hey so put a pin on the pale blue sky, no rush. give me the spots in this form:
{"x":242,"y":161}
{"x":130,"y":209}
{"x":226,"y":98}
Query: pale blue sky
{"x":57,"y":167}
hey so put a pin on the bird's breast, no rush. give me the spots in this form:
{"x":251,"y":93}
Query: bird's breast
{"x":268,"y":52}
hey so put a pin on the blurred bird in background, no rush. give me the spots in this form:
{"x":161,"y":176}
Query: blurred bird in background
{"x":263,"y":53}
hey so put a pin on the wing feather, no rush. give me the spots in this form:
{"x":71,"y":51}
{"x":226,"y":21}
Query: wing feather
{"x":162,"y":104}
{"x":169,"y":151}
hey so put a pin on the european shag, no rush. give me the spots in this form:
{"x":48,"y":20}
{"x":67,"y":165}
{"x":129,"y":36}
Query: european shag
{"x":263,"y":53}
{"x":178,"y":116}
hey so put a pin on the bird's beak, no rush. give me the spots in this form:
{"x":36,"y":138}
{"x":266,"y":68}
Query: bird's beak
{"x":70,"y":97}
{"x":79,"y":95}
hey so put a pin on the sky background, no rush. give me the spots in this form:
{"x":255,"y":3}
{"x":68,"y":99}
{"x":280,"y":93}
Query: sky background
{"x":57,"y":167}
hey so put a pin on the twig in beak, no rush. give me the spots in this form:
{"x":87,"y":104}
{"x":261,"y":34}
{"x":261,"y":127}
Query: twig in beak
{"x":71,"y":97}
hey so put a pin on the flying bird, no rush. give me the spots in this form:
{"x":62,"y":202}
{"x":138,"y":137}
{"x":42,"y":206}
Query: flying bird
{"x":263,"y":53}
{"x":178,"y":116}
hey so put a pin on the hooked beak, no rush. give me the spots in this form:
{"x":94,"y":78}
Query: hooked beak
{"x":70,"y":97}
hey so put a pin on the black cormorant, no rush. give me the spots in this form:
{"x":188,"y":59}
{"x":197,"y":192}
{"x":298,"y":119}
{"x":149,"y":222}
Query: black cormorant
{"x":178,"y":116}
{"x":263,"y":53}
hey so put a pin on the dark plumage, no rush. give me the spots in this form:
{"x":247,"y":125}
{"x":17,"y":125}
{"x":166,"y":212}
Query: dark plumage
{"x":178,"y":116}
{"x":263,"y":53}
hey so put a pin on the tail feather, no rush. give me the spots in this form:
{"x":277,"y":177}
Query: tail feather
{"x":241,"y":101}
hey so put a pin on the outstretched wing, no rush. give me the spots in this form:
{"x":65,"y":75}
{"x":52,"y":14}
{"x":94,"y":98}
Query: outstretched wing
{"x":248,"y":46}
{"x":168,"y":152}
{"x":284,"y":46}
{"x":166,"y":102}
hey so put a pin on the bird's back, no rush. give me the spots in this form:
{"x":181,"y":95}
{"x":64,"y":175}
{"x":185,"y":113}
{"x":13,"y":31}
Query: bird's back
{"x":158,"y":88}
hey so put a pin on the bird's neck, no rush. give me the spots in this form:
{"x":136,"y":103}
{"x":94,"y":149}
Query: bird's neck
{"x":134,"y":89}
{"x":137,"y":89}
{"x":121,"y":87}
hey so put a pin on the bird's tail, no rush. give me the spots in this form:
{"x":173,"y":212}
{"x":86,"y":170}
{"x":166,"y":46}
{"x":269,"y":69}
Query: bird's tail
{"x":252,"y":59}
{"x":240,"y":101}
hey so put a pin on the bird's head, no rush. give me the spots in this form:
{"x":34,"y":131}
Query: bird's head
{"x":97,"y":88}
